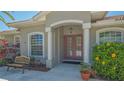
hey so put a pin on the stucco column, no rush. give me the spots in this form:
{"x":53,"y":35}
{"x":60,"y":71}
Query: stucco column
{"x":86,"y":42}
{"x":49,"y":60}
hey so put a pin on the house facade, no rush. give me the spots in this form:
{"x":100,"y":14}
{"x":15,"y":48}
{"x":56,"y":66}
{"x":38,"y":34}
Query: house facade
{"x":65,"y":36}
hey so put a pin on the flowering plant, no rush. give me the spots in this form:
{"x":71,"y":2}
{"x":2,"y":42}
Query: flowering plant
{"x":108,"y":60}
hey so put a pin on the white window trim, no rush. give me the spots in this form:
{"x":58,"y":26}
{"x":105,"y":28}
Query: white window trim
{"x":15,"y":38}
{"x":116,"y":29}
{"x":29,"y":43}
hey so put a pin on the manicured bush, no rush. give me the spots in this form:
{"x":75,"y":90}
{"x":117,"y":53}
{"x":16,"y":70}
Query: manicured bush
{"x":108,"y":60}
{"x":2,"y":62}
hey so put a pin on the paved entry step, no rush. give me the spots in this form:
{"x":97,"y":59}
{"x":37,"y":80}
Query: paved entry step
{"x":72,"y":61}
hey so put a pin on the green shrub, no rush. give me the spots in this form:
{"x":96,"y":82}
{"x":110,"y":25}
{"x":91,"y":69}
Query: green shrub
{"x":108,"y":60}
{"x":2,"y":62}
{"x":84,"y":66}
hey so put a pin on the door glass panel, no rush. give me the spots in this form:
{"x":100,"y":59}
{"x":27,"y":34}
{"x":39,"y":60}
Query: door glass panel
{"x":78,"y":46}
{"x":73,"y":47}
{"x":69,"y":46}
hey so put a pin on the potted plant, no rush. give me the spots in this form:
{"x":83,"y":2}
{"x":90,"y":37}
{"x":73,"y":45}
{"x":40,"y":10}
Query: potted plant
{"x":85,"y":71}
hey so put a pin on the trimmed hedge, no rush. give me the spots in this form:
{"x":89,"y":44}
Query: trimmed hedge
{"x":108,"y":60}
{"x":2,"y":62}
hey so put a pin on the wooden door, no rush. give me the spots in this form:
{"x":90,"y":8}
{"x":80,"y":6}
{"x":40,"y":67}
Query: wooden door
{"x":73,"y":47}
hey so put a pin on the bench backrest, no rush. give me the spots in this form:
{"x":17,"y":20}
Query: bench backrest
{"x":22,"y":60}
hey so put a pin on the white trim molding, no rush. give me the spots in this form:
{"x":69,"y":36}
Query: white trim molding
{"x":15,"y":37}
{"x":50,"y":45}
{"x":47,"y":29}
{"x":86,"y":42}
{"x":66,"y":21}
{"x":86,"y":25}
{"x":117,"y":29}
{"x":29,"y":46}
{"x":49,"y":62}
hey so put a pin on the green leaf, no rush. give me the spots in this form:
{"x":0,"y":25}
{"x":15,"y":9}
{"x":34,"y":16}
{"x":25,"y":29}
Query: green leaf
{"x":114,"y":67}
{"x":9,"y":15}
{"x":3,"y":20}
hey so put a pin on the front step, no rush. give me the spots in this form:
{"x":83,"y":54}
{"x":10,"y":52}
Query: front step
{"x":72,"y":61}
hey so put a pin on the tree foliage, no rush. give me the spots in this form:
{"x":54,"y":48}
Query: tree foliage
{"x":108,"y":60}
{"x":2,"y":19}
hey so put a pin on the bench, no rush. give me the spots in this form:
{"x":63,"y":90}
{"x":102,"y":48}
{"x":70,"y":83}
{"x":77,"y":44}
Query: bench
{"x":20,"y":62}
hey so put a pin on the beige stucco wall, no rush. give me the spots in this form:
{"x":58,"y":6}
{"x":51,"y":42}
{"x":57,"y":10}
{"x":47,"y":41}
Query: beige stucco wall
{"x":58,"y":16}
{"x":24,"y":39}
{"x":51,"y":18}
{"x":78,"y":18}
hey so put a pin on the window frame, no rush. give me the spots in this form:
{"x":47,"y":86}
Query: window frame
{"x":114,"y":29}
{"x":29,"y":43}
{"x":16,"y":37}
{"x":15,"y":43}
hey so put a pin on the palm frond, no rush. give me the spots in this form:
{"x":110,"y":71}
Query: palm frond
{"x":9,"y":15}
{"x":3,"y":20}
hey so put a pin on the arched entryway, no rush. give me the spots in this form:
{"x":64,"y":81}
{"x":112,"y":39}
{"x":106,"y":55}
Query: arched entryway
{"x":69,"y":44}
{"x":66,"y":42}
{"x":71,"y":39}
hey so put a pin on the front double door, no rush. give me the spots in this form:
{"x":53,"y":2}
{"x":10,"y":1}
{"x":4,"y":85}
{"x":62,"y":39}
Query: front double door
{"x":73,"y":47}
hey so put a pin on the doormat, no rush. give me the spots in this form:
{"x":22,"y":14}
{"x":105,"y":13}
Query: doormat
{"x":71,"y":62}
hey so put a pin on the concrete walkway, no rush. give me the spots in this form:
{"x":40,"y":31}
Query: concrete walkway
{"x":62,"y":72}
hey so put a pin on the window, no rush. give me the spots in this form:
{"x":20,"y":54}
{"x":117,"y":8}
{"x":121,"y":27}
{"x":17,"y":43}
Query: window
{"x":111,"y":36}
{"x":37,"y":45}
{"x":17,"y":41}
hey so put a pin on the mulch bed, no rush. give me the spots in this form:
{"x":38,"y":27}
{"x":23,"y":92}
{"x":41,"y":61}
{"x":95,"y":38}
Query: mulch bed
{"x":33,"y":66}
{"x":38,"y":67}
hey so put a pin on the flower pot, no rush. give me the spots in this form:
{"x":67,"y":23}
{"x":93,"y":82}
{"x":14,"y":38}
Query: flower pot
{"x":85,"y":75}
